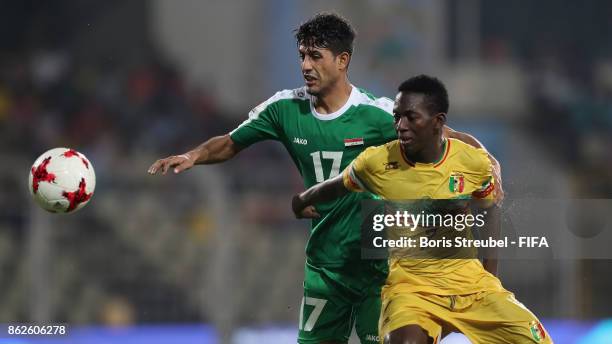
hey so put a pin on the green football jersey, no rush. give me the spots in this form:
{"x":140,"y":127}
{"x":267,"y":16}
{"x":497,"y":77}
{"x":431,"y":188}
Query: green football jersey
{"x":321,"y":147}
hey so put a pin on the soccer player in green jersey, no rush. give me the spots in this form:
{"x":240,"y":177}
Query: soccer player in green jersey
{"x":323,"y":126}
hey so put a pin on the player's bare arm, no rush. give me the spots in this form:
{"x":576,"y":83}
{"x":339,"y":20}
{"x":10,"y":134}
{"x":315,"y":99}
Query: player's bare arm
{"x":303,"y":203}
{"x":472,"y":141}
{"x":215,"y":150}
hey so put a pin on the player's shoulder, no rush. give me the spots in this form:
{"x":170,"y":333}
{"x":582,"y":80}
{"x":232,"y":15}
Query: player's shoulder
{"x":465,"y":148}
{"x":282,"y":95}
{"x":378,"y":105}
{"x":476,"y":159}
{"x":381,"y":152}
{"x":295,"y":93}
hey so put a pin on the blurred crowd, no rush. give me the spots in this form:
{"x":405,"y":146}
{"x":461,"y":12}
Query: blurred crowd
{"x":105,"y":108}
{"x":572,"y":114}
{"x":115,"y":263}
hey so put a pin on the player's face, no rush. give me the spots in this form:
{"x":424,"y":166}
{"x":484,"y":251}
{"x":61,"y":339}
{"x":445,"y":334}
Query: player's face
{"x":416,"y":127}
{"x":320,"y":69}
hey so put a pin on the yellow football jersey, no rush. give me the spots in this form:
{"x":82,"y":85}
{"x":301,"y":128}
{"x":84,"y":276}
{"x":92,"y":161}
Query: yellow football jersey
{"x":462,"y":172}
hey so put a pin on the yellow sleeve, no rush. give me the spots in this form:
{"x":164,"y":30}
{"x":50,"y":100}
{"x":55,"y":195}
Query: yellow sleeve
{"x":356,"y":173}
{"x":487,"y":183}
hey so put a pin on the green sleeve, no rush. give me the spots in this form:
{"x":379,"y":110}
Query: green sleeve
{"x":383,"y":120}
{"x":261,"y":125}
{"x":388,"y":129}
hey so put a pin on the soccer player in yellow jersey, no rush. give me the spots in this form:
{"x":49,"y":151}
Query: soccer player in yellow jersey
{"x":424,"y":298}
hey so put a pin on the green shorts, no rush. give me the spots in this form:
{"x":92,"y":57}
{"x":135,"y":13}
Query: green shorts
{"x":336,"y":299}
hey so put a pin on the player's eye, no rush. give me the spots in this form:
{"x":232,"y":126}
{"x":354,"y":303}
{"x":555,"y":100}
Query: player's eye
{"x":413,"y":116}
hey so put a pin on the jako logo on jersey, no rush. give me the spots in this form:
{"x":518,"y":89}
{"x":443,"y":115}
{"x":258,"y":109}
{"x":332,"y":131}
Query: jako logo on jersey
{"x":300,"y":141}
{"x":391,"y":165}
{"x":456,"y":183}
{"x":353,"y":142}
{"x":372,"y":338}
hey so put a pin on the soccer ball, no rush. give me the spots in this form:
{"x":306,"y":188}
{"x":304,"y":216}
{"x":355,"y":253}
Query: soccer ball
{"x":62,"y":180}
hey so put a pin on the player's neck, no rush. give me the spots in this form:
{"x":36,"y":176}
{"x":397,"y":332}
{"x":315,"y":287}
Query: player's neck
{"x":428,"y":155}
{"x":335,"y":99}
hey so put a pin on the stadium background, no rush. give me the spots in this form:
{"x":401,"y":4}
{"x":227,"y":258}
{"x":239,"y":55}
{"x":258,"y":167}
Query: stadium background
{"x":214,"y":255}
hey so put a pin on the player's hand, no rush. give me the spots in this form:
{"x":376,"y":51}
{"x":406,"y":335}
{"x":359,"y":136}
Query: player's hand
{"x":180,"y":163}
{"x":302,"y":212}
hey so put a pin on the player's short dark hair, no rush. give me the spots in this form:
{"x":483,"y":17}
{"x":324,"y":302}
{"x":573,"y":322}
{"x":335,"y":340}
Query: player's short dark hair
{"x":433,"y":89}
{"x":327,"y":30}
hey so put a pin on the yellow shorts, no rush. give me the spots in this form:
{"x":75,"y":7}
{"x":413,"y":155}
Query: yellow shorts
{"x":485,"y":317}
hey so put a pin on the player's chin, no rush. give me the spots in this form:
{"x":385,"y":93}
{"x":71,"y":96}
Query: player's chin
{"x":313,"y":90}
{"x":410,"y":147}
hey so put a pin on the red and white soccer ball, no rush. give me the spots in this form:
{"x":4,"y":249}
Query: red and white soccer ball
{"x":62,"y":180}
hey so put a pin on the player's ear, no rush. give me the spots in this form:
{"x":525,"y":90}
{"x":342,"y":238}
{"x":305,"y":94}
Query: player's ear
{"x":343,"y":60}
{"x":440,"y":120}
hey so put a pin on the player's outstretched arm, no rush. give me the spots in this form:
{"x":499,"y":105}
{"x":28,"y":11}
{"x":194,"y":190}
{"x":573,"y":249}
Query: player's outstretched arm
{"x":303,"y":203}
{"x":472,"y":141}
{"x":215,"y":150}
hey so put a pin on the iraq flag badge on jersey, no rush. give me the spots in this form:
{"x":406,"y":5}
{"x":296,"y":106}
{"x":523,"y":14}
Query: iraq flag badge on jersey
{"x":353,"y":142}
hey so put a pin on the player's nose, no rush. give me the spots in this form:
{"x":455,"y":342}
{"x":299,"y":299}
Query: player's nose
{"x":402,"y":123}
{"x":306,"y":64}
